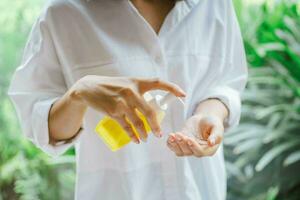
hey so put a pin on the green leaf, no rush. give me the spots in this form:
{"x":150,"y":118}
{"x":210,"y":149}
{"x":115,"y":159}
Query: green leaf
{"x":271,"y":110}
{"x":246,"y":145}
{"x":272,"y":46}
{"x":272,"y":193}
{"x":272,"y":154}
{"x":292,"y":158}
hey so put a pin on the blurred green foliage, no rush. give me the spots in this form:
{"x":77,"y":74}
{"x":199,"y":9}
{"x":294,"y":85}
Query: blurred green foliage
{"x":263,"y":153}
{"x":25,"y":172}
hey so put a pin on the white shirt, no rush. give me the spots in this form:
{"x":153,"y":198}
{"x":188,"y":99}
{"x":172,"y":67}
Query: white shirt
{"x":199,"y":47}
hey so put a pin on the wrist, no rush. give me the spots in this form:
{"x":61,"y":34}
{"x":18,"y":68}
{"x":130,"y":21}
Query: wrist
{"x":74,"y":96}
{"x":202,"y":115}
{"x":213,"y":108}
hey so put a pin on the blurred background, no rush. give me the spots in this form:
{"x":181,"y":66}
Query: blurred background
{"x":262,"y":154}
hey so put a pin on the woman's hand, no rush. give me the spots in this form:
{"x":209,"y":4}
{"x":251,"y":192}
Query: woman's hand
{"x":119,"y":97}
{"x":202,"y":133}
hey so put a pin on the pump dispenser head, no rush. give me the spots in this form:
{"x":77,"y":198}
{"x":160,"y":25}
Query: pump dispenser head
{"x":167,"y":99}
{"x":162,"y":102}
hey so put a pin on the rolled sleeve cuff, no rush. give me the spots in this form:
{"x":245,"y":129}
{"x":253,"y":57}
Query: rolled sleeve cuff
{"x":40,"y":130}
{"x":231,"y":99}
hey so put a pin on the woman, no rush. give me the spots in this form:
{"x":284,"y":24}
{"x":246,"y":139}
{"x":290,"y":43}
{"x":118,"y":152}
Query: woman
{"x":88,"y":59}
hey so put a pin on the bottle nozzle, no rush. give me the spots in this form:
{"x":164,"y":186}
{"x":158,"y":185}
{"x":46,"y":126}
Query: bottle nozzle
{"x":161,"y":102}
{"x":168,"y":98}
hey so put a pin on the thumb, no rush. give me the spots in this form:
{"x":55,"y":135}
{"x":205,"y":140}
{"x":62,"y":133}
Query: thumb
{"x":216,"y":136}
{"x":146,"y":85}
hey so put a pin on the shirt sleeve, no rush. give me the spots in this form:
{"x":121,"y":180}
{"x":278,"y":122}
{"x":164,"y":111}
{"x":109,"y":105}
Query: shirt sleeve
{"x":36,"y":84}
{"x":228,"y":86}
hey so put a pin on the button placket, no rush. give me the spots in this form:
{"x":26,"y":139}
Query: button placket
{"x":158,"y":57}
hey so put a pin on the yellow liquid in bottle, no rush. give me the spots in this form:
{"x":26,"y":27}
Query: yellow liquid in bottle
{"x":114,"y":136}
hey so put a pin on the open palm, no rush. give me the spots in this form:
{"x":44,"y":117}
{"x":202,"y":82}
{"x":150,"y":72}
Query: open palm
{"x":201,"y":136}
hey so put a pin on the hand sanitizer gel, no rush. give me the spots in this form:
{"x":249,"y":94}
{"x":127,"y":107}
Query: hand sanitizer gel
{"x":115,"y":137}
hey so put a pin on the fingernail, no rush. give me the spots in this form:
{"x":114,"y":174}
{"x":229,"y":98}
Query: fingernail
{"x":178,"y":138}
{"x":172,"y":139}
{"x":156,"y":133}
{"x":190,"y":143}
{"x":183,"y":92}
{"x":135,"y":140}
{"x":160,"y":134}
{"x":212,"y":141}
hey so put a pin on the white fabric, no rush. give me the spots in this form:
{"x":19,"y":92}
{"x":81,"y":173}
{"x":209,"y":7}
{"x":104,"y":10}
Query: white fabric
{"x":199,"y":47}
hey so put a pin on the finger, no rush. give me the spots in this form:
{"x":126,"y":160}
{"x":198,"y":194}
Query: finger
{"x":195,"y":147}
{"x":139,"y":102}
{"x":216,"y":136}
{"x":157,"y":84}
{"x":127,"y":127}
{"x":137,"y":123}
{"x":174,"y":146}
{"x":201,"y":150}
{"x":205,"y":129}
{"x":182,"y":142}
{"x":209,"y":150}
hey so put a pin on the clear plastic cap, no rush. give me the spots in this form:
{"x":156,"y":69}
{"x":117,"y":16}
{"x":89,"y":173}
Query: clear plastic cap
{"x":162,"y":102}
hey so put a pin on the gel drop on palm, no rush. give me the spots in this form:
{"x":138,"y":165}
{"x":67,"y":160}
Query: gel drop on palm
{"x":113,"y":134}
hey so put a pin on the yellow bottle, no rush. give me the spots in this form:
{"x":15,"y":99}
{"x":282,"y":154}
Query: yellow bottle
{"x":115,"y":137}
